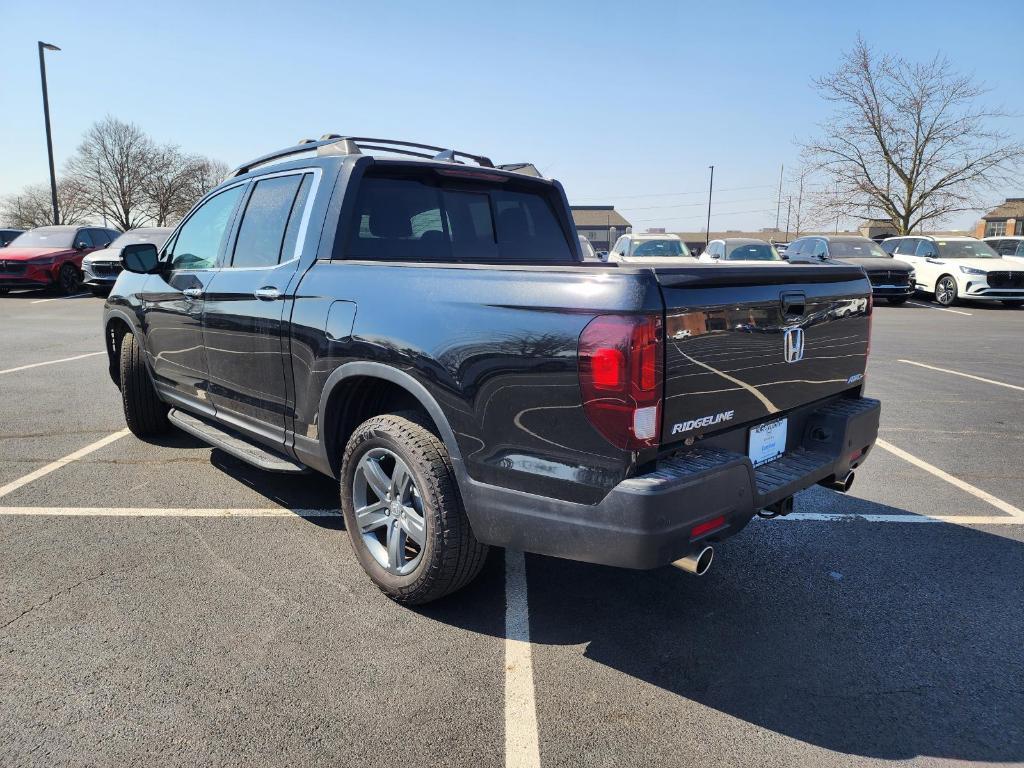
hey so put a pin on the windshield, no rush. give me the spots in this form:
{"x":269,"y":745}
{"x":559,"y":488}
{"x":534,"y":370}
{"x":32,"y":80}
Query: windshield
{"x":142,"y":236}
{"x":45,"y":237}
{"x":752,"y":252}
{"x":856,"y":249}
{"x":655,"y":248}
{"x":965,"y":249}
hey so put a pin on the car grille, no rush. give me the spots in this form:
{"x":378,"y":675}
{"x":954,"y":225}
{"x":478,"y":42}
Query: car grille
{"x":12,"y":267}
{"x":889,"y":277}
{"x":1006,"y":279}
{"x":99,"y":268}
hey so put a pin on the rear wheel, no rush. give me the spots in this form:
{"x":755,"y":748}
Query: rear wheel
{"x":69,"y":280}
{"x":946,"y":291}
{"x":144,"y":412}
{"x":403,"y":511}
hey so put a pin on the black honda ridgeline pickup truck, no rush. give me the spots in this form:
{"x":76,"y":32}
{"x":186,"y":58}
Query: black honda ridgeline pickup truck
{"x":421,"y":325}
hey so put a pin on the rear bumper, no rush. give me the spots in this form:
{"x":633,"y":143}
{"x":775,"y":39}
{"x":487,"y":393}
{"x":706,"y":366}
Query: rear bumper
{"x":645,"y":521}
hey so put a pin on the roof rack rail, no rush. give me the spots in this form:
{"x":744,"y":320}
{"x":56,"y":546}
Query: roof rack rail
{"x":333,"y":143}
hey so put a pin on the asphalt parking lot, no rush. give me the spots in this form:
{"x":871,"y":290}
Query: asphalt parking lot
{"x":163,"y":603}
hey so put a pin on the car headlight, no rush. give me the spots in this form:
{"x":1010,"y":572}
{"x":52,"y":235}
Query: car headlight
{"x":42,"y":260}
{"x":972,"y":271}
{"x":87,"y":262}
{"x":912,"y":276}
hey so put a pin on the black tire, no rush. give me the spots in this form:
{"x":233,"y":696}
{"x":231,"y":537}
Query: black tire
{"x":897,"y":300}
{"x":144,"y":412}
{"x":69,"y":279}
{"x":1015,"y":303}
{"x":450,"y":556}
{"x":946,"y":291}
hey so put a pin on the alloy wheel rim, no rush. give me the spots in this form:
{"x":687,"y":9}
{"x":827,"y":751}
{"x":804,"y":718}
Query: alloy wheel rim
{"x":69,"y":281}
{"x":945,"y":291}
{"x":389,"y":511}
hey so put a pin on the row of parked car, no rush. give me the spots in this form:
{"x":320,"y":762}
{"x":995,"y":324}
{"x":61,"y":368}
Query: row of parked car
{"x":948,"y":268}
{"x":67,"y":258}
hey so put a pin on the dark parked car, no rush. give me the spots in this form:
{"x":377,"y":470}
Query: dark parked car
{"x":739,"y":249}
{"x":890,"y":279}
{"x":47,"y":257}
{"x":7,"y":235}
{"x":427,"y":332}
{"x":101,"y":268}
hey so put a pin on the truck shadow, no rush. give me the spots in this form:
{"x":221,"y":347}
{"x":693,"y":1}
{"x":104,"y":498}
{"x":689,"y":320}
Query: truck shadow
{"x":881,"y":640}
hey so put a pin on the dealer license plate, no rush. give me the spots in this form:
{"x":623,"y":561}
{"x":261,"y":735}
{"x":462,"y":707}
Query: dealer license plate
{"x":767,"y":442}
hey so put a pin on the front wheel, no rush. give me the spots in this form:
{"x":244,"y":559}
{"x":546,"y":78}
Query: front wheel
{"x":946,"y":291}
{"x":144,"y":412}
{"x":403,"y":511}
{"x":69,"y":280}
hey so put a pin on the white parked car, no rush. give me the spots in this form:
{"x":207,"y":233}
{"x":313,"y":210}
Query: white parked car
{"x":1010,"y":248}
{"x":650,"y":247}
{"x":738,"y":249}
{"x":589,"y":254}
{"x":954,"y":268}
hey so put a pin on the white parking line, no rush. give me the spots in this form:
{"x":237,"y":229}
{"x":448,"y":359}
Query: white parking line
{"x":522,"y":748}
{"x":60,"y":298}
{"x":940,"y":309}
{"x":51,"y":362}
{"x":55,"y":465}
{"x":165,"y":512}
{"x":985,"y":496}
{"x":965,"y":375}
{"x":838,"y":517}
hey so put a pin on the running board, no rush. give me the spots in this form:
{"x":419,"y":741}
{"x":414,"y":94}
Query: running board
{"x":231,"y":442}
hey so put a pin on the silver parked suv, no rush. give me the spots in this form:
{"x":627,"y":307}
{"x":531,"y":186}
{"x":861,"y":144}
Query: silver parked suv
{"x":101,"y":268}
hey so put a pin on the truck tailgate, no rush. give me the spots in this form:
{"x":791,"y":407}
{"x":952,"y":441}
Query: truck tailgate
{"x":745,"y":343}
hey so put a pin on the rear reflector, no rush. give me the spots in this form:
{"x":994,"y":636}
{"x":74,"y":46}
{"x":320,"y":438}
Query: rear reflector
{"x":620,"y":369}
{"x":711,"y":525}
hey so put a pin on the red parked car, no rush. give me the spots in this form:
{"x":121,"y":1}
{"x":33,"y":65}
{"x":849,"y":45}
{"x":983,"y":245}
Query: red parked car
{"x":47,"y":257}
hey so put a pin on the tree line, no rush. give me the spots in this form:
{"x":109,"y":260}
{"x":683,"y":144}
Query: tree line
{"x":120,"y":175}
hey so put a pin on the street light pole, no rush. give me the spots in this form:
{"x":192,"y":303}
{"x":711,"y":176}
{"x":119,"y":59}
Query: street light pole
{"x":49,"y":138}
{"x":711,"y":187}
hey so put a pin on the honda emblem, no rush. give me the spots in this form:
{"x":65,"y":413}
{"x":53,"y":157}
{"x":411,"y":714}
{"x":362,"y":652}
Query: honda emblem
{"x":793,"y":344}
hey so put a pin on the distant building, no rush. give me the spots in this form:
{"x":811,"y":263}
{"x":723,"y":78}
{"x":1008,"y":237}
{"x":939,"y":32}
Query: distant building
{"x":877,"y":229}
{"x":602,"y":225}
{"x":1005,"y":219}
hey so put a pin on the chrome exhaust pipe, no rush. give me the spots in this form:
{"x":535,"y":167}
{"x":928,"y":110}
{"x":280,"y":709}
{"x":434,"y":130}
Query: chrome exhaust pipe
{"x":840,"y":484}
{"x":697,"y":563}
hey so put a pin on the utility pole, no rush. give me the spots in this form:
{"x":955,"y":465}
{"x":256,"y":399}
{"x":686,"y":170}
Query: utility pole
{"x":799,"y":205}
{"x":711,"y":187}
{"x":789,"y":209}
{"x":778,"y":208}
{"x":49,"y":137}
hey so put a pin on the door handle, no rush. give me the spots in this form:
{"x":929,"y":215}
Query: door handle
{"x":193,"y":293}
{"x":267,"y":293}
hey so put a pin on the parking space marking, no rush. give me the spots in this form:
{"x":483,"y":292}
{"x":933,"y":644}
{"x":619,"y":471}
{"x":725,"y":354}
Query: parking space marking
{"x":51,"y":362}
{"x":166,"y":512}
{"x":840,"y":517}
{"x":60,"y":298}
{"x":940,"y":309}
{"x":522,"y":749}
{"x":55,"y":465}
{"x":985,"y":496}
{"x":965,"y":375}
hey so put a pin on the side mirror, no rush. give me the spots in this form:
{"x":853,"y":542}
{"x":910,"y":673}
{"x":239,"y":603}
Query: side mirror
{"x":80,"y":246}
{"x":141,"y":258}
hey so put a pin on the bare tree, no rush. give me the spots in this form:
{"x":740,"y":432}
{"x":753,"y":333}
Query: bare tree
{"x":115,"y":163}
{"x":32,"y":206}
{"x":169,"y":187}
{"x":908,"y":142}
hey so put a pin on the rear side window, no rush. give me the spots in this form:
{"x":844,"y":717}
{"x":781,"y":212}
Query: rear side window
{"x":413,"y":219}
{"x":266,"y":222}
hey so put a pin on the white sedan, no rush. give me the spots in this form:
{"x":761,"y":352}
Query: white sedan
{"x":955,"y":268}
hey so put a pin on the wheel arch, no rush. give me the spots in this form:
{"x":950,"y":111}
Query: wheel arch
{"x":359,"y":390}
{"x":115,"y":326}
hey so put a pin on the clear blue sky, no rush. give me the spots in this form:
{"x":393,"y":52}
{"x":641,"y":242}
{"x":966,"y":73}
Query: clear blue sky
{"x":616,"y":100}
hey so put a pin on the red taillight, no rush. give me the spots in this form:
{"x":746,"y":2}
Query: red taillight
{"x":620,"y":363}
